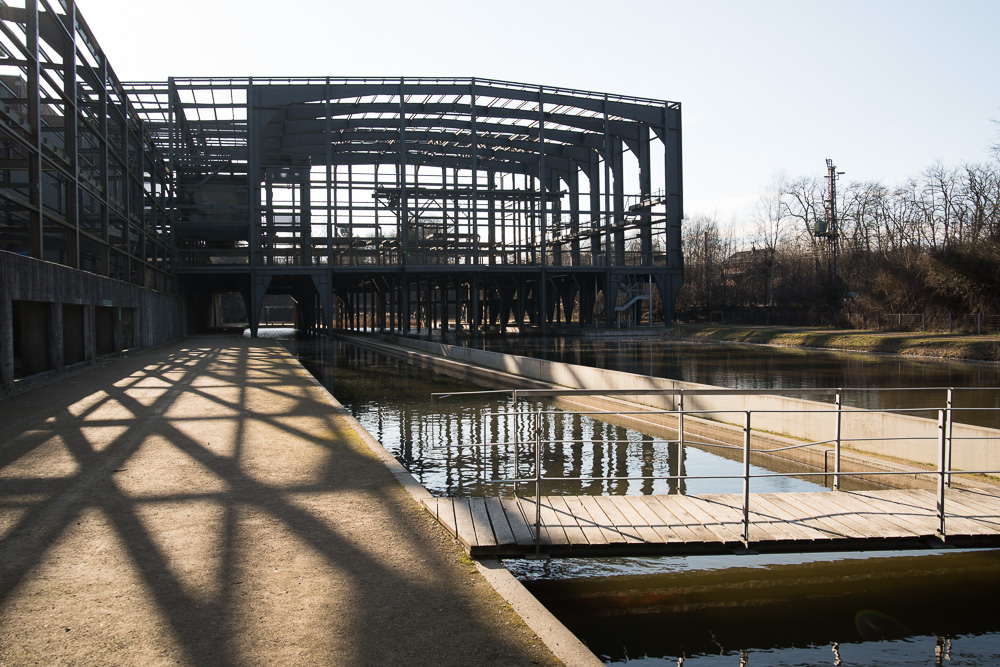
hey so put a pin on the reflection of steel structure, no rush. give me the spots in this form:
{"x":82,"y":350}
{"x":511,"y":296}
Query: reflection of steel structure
{"x":416,"y":202}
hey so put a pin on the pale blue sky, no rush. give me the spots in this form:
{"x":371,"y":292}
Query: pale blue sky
{"x":767,"y":87}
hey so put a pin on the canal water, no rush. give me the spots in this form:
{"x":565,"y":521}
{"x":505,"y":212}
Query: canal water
{"x":878,"y":608}
{"x":872,"y":381}
{"x":885,"y":609}
{"x":465,"y":445}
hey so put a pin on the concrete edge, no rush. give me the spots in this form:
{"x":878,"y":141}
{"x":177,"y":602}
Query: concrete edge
{"x":402,"y":475}
{"x":564,"y":644}
{"x":439,"y":363}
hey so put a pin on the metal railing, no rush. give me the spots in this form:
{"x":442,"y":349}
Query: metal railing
{"x":944,"y":439}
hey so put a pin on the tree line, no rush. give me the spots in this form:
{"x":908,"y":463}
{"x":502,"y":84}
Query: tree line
{"x":930,"y":245}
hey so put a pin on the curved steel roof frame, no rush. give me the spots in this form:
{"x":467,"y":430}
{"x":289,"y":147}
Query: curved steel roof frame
{"x":420,"y":175}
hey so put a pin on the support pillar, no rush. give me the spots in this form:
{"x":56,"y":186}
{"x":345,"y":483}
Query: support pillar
{"x":417,"y":310}
{"x":56,"y":338}
{"x":477,"y":319}
{"x":404,"y":305}
{"x":645,"y":195}
{"x":253,"y":301}
{"x":443,"y":290}
{"x":618,"y":199}
{"x":6,"y":339}
{"x":326,"y":299}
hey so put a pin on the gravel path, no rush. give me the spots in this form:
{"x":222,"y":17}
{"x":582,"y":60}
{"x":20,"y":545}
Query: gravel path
{"x":201,"y":504}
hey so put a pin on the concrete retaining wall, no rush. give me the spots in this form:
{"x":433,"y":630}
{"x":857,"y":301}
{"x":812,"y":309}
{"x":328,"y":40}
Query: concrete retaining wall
{"x":974,"y":448}
{"x":65,"y":317}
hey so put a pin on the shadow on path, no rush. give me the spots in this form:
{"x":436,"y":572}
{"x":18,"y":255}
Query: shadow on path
{"x":202,"y":504}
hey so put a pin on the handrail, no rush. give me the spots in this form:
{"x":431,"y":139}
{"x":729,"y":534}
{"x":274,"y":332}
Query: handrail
{"x":944,"y":438}
{"x":635,"y":300}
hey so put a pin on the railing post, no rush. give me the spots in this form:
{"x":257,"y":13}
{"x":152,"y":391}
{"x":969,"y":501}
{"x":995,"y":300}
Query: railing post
{"x":517,"y":447}
{"x":680,"y":419}
{"x":538,"y":481}
{"x":836,"y":451}
{"x":948,"y":424}
{"x":746,"y":480}
{"x":942,"y":443}
{"x":680,"y":437}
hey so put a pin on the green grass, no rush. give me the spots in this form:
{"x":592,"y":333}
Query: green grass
{"x":947,"y":346}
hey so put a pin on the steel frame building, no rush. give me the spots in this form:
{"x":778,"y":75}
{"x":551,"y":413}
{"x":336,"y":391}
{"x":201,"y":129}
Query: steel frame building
{"x":392,"y":203}
{"x":81,"y":183}
{"x":402,"y":203}
{"x":85,"y":203}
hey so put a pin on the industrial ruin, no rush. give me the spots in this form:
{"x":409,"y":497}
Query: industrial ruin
{"x":397,"y":204}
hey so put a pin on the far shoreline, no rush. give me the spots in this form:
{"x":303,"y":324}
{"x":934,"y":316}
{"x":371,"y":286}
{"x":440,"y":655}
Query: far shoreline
{"x":912,"y":345}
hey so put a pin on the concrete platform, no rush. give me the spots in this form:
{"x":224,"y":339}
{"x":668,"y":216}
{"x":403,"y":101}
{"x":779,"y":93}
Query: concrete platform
{"x":202,"y":504}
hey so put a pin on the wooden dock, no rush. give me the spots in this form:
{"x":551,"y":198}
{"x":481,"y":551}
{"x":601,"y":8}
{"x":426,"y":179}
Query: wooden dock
{"x":677,"y":524}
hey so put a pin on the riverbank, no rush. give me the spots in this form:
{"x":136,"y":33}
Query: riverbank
{"x":207,"y":503}
{"x":906,"y":343}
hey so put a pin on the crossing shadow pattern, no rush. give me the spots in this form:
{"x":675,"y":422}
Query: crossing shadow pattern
{"x":205,"y":504}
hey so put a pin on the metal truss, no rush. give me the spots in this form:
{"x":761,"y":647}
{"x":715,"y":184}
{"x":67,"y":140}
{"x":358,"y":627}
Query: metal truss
{"x":81,"y":181}
{"x":378,"y":200}
{"x":393,"y":181}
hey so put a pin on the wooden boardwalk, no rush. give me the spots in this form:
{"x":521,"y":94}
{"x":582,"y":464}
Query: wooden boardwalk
{"x":676,"y":524}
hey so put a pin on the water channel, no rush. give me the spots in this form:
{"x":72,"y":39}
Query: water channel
{"x":879,"y":608}
{"x":871,"y":380}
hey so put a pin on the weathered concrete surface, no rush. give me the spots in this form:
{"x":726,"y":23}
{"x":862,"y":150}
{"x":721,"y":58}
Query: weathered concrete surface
{"x":68,"y":316}
{"x":201,"y":504}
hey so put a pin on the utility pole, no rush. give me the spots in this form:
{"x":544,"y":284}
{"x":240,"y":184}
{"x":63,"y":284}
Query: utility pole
{"x":830,"y":227}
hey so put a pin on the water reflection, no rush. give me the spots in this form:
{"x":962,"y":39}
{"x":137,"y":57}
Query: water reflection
{"x":720,"y":610}
{"x":880,"y":611}
{"x":740,"y":366}
{"x":442,"y":442}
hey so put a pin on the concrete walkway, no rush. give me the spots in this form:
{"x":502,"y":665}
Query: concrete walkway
{"x":202,"y":504}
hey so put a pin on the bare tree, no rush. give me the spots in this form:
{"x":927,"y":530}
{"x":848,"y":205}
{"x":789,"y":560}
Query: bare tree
{"x":940,"y":203}
{"x":931,"y":243}
{"x":995,"y":146}
{"x":706,"y":247}
{"x":982,"y":188}
{"x":772,"y":227}
{"x":803,"y":203}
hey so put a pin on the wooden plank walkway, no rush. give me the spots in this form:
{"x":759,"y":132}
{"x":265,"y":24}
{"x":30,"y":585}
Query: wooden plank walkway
{"x":675,"y":524}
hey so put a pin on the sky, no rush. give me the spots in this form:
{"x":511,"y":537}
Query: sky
{"x":768,"y":88}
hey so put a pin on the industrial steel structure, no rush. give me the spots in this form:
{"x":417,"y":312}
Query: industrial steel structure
{"x":391,"y":203}
{"x":82,"y":183}
{"x":410,"y":202}
{"x":85,"y":203}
